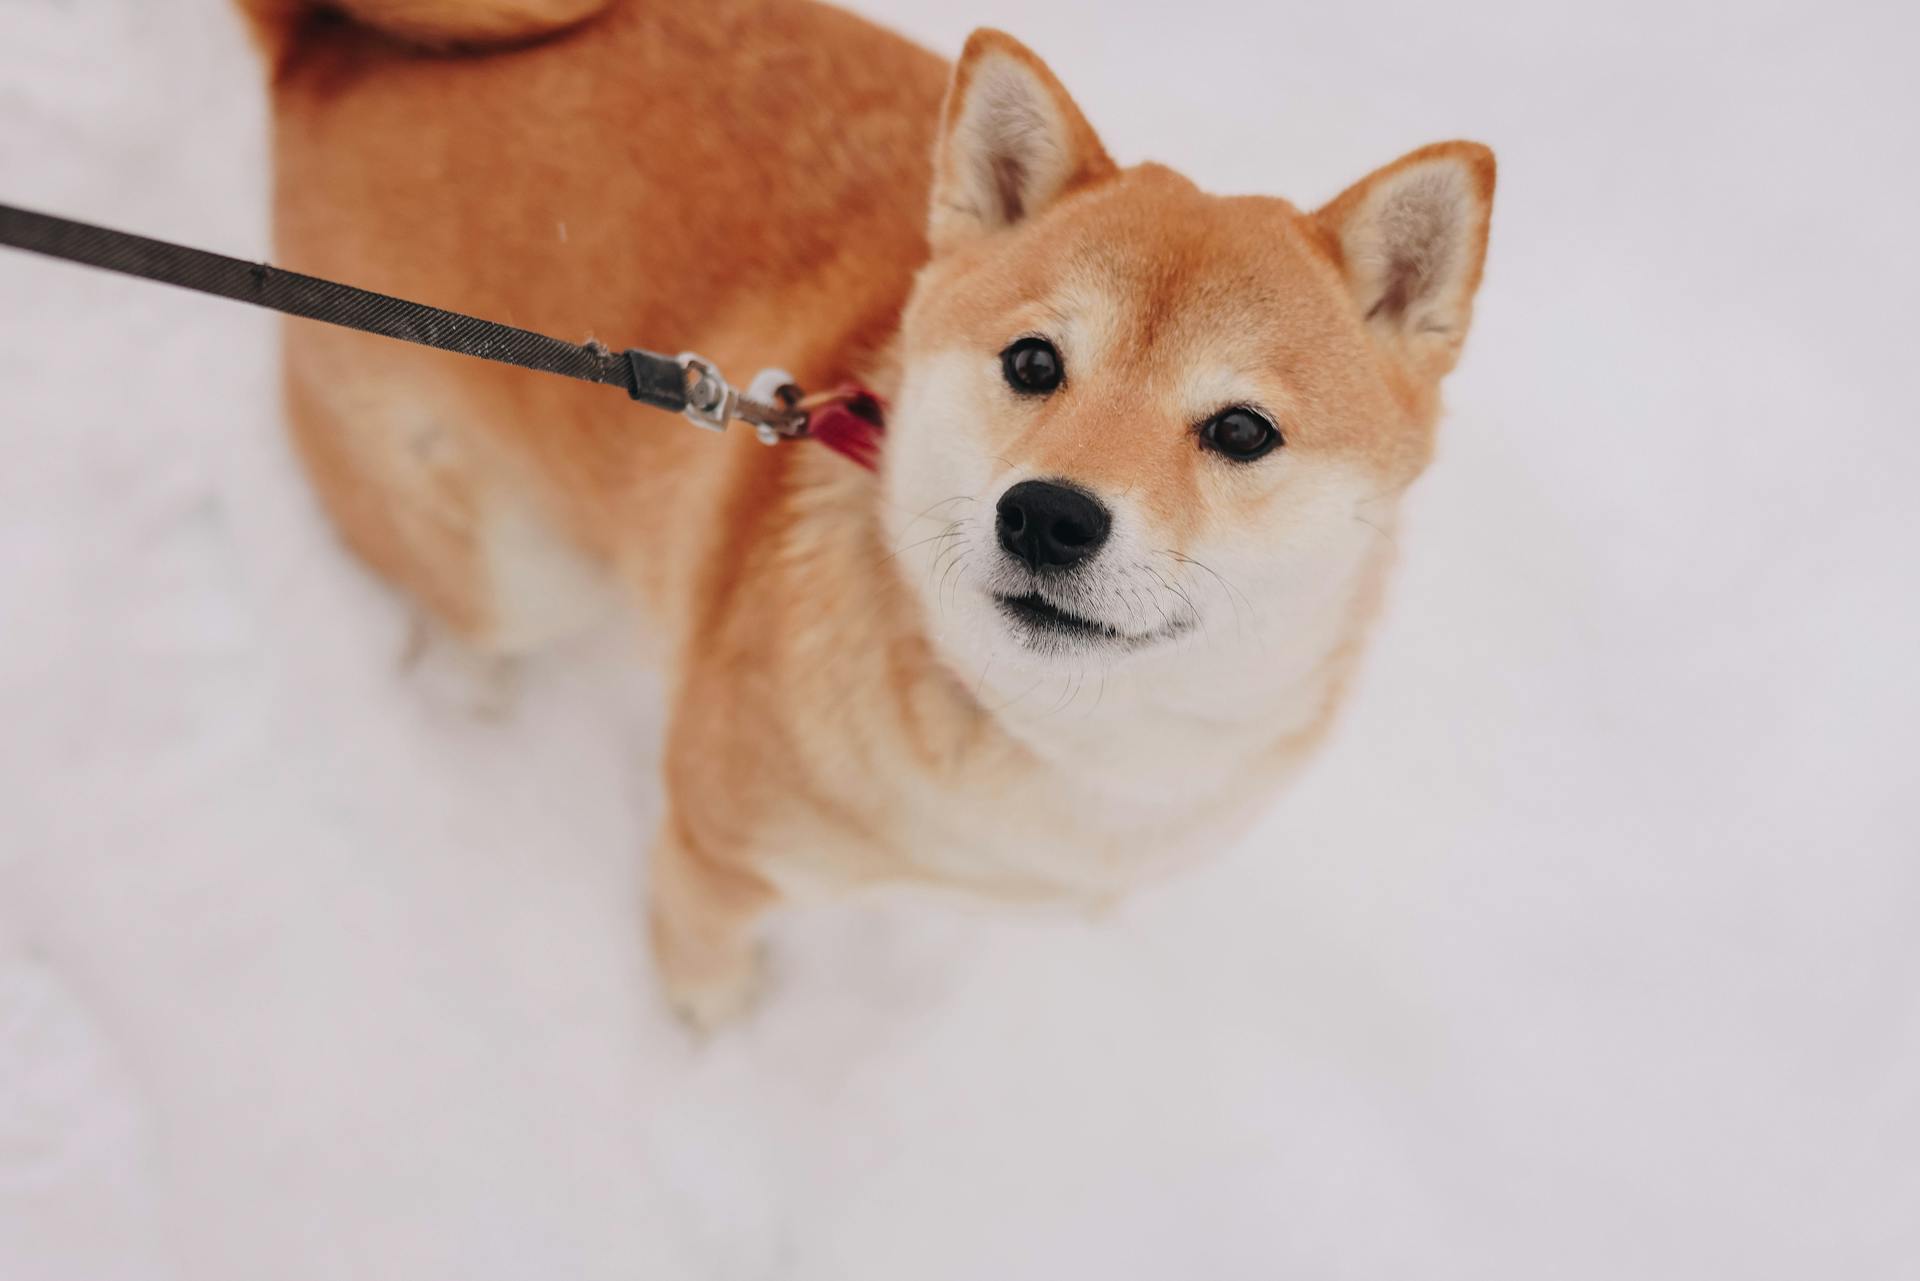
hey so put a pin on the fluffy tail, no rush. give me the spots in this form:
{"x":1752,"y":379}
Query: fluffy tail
{"x":277,"y":23}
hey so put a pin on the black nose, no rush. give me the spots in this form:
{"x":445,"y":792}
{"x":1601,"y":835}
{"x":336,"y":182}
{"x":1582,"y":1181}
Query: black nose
{"x":1051,"y":526}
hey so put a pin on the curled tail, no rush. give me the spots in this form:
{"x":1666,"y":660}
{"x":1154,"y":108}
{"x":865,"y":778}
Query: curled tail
{"x":277,"y":23}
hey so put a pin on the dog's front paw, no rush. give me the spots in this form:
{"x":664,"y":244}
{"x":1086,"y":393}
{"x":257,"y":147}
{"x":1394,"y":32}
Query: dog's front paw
{"x":711,"y":1001}
{"x":709,"y":989}
{"x":703,"y":916}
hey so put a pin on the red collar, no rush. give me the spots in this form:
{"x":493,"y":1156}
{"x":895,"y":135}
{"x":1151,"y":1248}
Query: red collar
{"x":849,"y":420}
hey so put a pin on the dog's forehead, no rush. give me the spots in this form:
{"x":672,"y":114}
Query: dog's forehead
{"x":1162,"y":278}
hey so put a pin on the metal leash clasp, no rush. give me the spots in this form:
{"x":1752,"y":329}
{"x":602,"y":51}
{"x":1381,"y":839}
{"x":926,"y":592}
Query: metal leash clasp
{"x":713,"y":402}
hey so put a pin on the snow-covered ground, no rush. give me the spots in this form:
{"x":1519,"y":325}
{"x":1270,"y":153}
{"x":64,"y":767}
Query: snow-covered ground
{"x":1590,"y":950}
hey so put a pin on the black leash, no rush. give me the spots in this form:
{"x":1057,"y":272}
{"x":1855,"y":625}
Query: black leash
{"x":686,"y":384}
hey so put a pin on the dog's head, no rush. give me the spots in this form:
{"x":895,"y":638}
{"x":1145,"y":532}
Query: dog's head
{"x":1132,"y":413}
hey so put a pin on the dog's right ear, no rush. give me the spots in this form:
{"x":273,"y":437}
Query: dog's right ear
{"x":1011,"y":142}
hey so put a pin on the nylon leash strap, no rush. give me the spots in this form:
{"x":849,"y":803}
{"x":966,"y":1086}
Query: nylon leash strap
{"x":685,"y":384}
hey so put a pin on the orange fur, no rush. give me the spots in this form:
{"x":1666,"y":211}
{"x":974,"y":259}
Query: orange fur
{"x":760,"y":181}
{"x":276,"y":23}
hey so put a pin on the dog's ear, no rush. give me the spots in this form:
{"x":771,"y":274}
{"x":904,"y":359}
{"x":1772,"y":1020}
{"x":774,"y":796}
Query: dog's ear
{"x":1011,"y":142}
{"x":1412,"y":239}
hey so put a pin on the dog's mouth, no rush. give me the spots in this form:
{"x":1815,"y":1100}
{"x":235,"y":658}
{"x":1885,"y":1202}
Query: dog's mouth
{"x":1041,"y":614}
{"x":1043,"y":621}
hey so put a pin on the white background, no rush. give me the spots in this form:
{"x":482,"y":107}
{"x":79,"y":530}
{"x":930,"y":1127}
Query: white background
{"x":1589,"y":949}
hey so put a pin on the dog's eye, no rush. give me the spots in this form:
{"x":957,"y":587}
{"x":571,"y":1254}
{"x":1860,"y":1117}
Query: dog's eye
{"x":1032,"y":366}
{"x":1240,"y":434}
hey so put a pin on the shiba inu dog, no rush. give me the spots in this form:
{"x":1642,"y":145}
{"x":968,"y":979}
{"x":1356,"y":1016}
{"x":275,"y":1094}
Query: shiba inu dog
{"x":1115,"y":567}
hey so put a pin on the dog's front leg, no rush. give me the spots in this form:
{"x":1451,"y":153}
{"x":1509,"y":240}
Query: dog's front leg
{"x":704,"y":911}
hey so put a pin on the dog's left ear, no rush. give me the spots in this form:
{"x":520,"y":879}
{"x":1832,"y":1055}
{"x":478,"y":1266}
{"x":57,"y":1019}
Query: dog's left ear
{"x":1412,"y":239}
{"x":1011,"y":142}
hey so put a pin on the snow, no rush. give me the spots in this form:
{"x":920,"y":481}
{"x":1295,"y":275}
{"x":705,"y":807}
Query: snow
{"x":1587,"y":950}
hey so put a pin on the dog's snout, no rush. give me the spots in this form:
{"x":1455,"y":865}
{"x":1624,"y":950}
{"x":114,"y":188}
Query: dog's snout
{"x":1051,"y":526}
